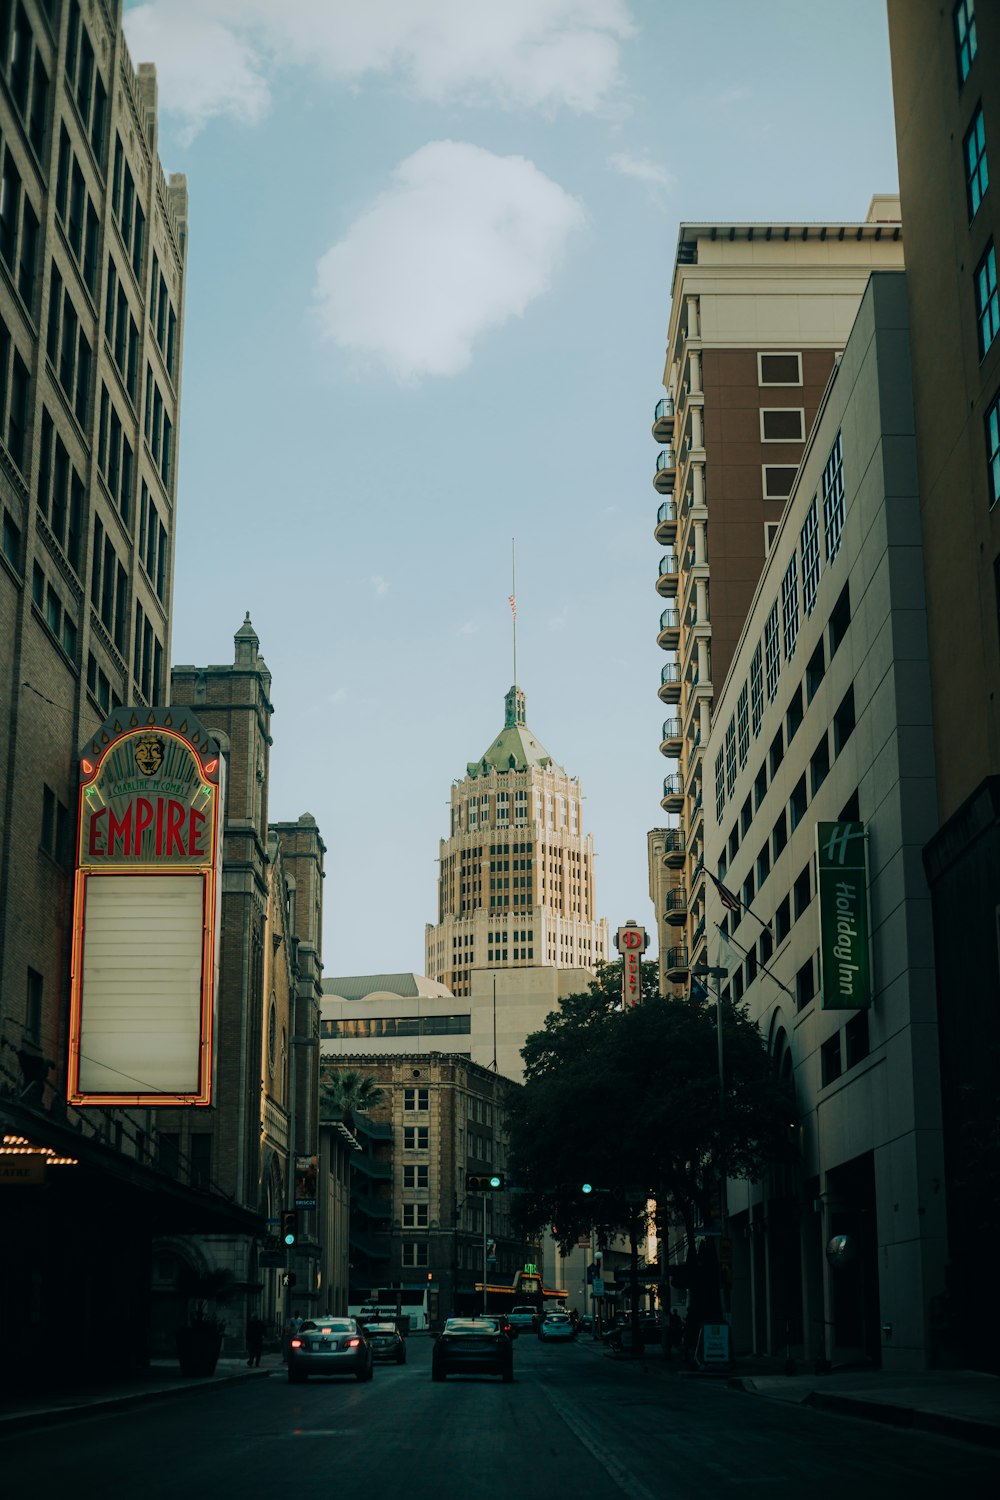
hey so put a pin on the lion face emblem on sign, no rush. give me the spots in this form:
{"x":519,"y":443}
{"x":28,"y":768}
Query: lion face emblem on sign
{"x":149,"y":754}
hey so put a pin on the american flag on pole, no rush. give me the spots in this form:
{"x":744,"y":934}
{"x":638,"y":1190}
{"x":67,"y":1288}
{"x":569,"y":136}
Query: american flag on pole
{"x":512,"y":601}
{"x":729,"y":901}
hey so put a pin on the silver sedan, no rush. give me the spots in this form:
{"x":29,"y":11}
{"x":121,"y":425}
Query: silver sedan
{"x":329,"y":1346}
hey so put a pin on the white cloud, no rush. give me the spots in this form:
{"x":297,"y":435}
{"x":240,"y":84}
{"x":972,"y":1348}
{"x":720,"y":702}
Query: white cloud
{"x":380,"y":585}
{"x":471,"y":627}
{"x":214,"y":57}
{"x":642,"y":169}
{"x":461,"y":242}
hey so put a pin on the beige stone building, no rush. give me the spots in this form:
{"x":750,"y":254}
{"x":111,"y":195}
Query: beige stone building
{"x":758,"y":314}
{"x":843,"y":733}
{"x":516,"y":879}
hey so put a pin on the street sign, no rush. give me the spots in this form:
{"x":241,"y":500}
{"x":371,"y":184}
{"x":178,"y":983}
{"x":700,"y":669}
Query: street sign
{"x":597,"y":1286}
{"x":584,"y":1242}
{"x":713,"y":1344}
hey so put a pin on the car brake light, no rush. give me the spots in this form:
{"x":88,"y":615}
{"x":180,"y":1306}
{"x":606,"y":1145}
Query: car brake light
{"x":296,"y":1343}
{"x":353,"y":1343}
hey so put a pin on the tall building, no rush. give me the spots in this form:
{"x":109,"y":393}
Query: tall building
{"x":946,"y":85}
{"x":93,"y":243}
{"x":839,"y":1250}
{"x":758,"y":315}
{"x":516,"y":880}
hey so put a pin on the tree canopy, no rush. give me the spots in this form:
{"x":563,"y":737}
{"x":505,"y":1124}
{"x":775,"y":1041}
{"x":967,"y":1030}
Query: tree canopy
{"x":629,"y":1101}
{"x":347,"y":1092}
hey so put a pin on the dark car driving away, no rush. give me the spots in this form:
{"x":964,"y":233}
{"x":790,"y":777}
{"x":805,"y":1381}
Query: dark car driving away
{"x":329,"y":1346}
{"x":387,"y":1342}
{"x":472,"y":1346}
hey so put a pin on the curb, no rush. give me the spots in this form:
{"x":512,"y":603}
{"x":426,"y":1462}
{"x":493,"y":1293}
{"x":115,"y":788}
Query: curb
{"x":965,"y":1428}
{"x":14,"y":1423}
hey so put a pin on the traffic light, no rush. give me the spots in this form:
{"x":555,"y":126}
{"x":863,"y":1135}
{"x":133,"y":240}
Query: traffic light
{"x":485,"y":1182}
{"x":588,"y":1187}
{"x":289,"y":1226}
{"x":555,"y":1231}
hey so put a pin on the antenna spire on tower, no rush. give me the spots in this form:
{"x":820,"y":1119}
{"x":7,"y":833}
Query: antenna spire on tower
{"x":512,"y":601}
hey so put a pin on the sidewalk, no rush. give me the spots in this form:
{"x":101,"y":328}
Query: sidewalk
{"x":963,"y":1404}
{"x":163,"y":1379}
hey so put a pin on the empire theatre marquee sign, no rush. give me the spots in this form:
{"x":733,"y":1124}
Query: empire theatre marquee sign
{"x":145,"y":931}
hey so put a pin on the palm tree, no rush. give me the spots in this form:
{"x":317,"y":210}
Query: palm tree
{"x":347,"y":1093}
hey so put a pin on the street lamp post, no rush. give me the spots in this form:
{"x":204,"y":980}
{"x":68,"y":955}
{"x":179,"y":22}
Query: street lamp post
{"x":708,"y":971}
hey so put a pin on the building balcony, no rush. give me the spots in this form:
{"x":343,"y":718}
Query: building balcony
{"x":374,"y":1129}
{"x":663,"y":420}
{"x":675,"y":909}
{"x":677,"y":964}
{"x":381,"y":1171}
{"x":699,"y":932}
{"x":673,"y":849}
{"x":670,"y":682}
{"x":666,"y":583}
{"x":670,"y":628}
{"x":672,"y":739}
{"x":698,"y":872}
{"x":673,"y":794}
{"x":666,"y":522}
{"x":666,"y":472}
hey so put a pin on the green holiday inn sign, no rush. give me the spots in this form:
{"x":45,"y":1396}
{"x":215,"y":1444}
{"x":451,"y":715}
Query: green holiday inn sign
{"x":842,"y":867}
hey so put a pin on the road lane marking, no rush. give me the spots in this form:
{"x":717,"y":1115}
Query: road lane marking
{"x":623,"y":1478}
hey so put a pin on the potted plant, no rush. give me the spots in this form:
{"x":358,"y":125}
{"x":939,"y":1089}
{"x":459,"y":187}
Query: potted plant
{"x":199,"y":1342}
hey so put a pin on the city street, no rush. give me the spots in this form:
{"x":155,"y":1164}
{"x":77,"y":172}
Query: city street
{"x":574,"y":1422}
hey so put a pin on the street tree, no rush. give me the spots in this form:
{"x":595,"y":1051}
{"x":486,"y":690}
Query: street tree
{"x":629,"y":1102}
{"x":347,"y":1092}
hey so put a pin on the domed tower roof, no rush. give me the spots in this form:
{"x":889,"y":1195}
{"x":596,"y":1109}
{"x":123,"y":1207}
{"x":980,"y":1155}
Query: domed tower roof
{"x":515,"y":747}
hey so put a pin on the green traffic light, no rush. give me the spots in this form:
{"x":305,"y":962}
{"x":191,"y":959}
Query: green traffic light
{"x":494,"y":1181}
{"x":289,"y":1239}
{"x":588,"y":1187}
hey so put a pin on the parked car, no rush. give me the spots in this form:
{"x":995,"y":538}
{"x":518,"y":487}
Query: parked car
{"x":472,"y":1346}
{"x":586,"y":1324}
{"x":387,"y":1342}
{"x":557,"y":1328}
{"x":524,"y":1317}
{"x":329,"y":1346}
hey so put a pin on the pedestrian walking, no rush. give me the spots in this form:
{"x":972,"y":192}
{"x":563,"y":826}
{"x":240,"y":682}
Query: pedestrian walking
{"x":255,"y":1340}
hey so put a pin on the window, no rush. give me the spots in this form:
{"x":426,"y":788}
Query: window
{"x":843,"y":721}
{"x":763,"y":865}
{"x":840,"y":618}
{"x":757,"y":690}
{"x":790,"y":607}
{"x":746,"y":818}
{"x":851,"y":810}
{"x":760,"y":787}
{"x":734,"y":842}
{"x":797,"y":803}
{"x":987,"y":299}
{"x":11,"y":540}
{"x":33,"y":1007}
{"x":416,"y":1137}
{"x":18,"y":414}
{"x":815,"y":672}
{"x":765,"y":948}
{"x":783,"y":424}
{"x":782,"y":921}
{"x":415,"y":1215}
{"x":28,"y":256}
{"x":39,"y":108}
{"x":772,"y":652}
{"x":720,"y":786}
{"x":802,"y":892}
{"x":977,"y":177}
{"x":809,"y":545}
{"x":779,"y":369}
{"x":777,"y":753}
{"x":857,"y":1039}
{"x":771,"y":529}
{"x":819,"y":765}
{"x":829,"y":1058}
{"x":20,"y":60}
{"x":415,"y":1099}
{"x":10,"y":201}
{"x":992,"y":423}
{"x":805,"y":983}
{"x":415,"y":1177}
{"x":200,"y":1153}
{"x":743,"y":724}
{"x":748,"y":889}
{"x":964,"y":16}
{"x":793,"y":718}
{"x":731,"y":757}
{"x":414,"y":1253}
{"x":778,"y":480}
{"x":833,"y":499}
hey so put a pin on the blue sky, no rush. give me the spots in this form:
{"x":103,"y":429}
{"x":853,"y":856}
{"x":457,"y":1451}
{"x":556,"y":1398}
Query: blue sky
{"x":428,"y":285}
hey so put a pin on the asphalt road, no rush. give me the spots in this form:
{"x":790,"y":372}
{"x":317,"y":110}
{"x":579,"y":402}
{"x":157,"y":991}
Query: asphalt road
{"x":574,"y":1423}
